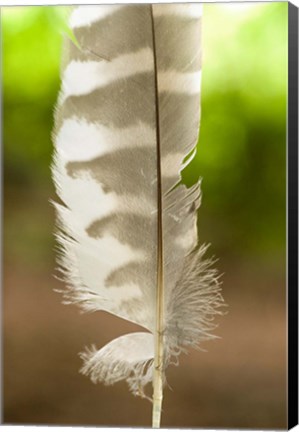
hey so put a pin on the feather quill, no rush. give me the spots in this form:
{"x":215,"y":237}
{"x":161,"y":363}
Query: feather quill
{"x":126,"y":119}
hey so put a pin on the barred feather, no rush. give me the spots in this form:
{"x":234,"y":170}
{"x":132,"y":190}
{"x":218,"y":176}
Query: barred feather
{"x":127,"y":116}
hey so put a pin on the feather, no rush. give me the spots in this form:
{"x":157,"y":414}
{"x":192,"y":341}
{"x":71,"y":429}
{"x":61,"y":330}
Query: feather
{"x":126,"y":124}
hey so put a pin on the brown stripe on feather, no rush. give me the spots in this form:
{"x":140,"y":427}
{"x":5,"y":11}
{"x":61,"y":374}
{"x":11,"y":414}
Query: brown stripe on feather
{"x":127,"y":228}
{"x":138,"y":273}
{"x":180,"y":114}
{"x":135,"y":272}
{"x":81,"y":54}
{"x":119,"y":104}
{"x":177,"y":38}
{"x":126,"y":30}
{"x":125,"y":171}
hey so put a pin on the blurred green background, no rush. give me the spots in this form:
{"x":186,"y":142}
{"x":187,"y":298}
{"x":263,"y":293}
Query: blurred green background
{"x":240,"y":381}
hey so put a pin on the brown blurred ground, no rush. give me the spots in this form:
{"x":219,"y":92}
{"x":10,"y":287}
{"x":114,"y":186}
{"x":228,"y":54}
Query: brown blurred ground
{"x":238,"y":383}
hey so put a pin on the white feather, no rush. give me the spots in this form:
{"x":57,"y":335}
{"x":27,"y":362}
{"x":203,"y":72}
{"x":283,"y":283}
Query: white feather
{"x":127,"y":117}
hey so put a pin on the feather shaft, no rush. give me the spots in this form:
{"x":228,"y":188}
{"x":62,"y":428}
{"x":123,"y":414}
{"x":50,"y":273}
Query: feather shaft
{"x":158,"y":358}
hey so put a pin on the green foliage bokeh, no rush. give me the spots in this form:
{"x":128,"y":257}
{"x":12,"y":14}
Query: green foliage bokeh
{"x":242,"y":145}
